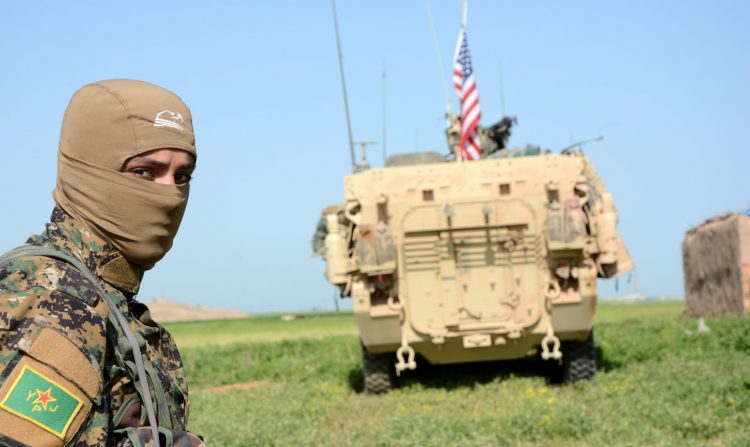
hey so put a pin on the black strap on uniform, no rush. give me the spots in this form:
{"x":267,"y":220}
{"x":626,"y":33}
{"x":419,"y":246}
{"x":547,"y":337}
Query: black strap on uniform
{"x":31,"y":250}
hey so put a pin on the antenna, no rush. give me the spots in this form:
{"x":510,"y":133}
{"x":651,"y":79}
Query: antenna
{"x":578,"y":144}
{"x":502,"y":91}
{"x":441,"y":67}
{"x":385,"y":145}
{"x":634,"y":277}
{"x":364,"y":165}
{"x":343,"y":87}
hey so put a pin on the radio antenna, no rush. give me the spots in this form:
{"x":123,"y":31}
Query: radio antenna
{"x":385,"y":145}
{"x":502,"y":91}
{"x":578,"y":144}
{"x":441,"y":67}
{"x":343,"y":87}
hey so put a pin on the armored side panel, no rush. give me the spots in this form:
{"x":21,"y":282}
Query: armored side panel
{"x":716,"y":263}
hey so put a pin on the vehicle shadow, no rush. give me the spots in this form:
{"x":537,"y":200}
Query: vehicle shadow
{"x":356,"y":379}
{"x":469,"y":375}
{"x":449,"y":377}
{"x":604,"y":364}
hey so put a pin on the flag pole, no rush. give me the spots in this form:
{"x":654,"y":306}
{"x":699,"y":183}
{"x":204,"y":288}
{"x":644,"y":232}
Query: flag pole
{"x":343,"y":87}
{"x":464,"y":12}
{"x":464,"y":9}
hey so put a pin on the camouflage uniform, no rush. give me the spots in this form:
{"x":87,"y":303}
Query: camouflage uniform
{"x":53,"y":322}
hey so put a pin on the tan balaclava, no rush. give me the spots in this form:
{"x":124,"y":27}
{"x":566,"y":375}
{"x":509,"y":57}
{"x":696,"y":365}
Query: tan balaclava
{"x":107,"y":123}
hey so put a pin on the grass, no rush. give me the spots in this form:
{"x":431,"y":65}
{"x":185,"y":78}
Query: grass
{"x":261,"y":328}
{"x":659,"y":383}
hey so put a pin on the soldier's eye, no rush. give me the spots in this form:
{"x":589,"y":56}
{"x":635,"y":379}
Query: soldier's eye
{"x":182,"y":178}
{"x":144,"y":173}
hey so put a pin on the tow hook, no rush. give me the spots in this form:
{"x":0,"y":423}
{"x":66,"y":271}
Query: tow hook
{"x":407,"y":363}
{"x":551,"y":338}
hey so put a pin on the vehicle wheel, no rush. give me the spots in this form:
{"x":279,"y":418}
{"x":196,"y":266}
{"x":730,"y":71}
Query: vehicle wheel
{"x":378,"y":372}
{"x":579,"y":359}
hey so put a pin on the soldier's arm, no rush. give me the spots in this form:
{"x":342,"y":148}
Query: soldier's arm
{"x":129,"y":432}
{"x":51,"y":351}
{"x":142,"y":437}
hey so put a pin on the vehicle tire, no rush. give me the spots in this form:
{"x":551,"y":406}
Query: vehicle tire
{"x":378,"y":372}
{"x":579,"y":359}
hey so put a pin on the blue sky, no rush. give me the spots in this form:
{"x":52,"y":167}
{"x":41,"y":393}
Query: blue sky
{"x":665,"y":82}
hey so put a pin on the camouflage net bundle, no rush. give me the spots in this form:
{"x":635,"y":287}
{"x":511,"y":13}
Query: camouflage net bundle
{"x":716,"y":263}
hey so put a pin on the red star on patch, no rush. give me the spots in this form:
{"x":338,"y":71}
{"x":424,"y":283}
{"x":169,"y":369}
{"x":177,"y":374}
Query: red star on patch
{"x":44,"y":397}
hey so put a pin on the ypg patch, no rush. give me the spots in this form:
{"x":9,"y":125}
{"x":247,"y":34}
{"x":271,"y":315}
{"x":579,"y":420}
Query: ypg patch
{"x":42,"y":402}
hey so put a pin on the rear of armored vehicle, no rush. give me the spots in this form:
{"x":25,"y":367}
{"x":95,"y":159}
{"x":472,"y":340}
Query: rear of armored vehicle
{"x":465,"y":262}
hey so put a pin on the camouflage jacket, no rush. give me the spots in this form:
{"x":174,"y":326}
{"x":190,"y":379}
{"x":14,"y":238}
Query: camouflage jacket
{"x":65,"y":375}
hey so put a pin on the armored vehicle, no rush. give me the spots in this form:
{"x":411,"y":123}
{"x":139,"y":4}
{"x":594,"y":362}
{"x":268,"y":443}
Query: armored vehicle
{"x":474,"y":261}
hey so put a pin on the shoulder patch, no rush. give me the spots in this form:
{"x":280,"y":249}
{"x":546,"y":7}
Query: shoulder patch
{"x":41,"y":401}
{"x":50,"y":392}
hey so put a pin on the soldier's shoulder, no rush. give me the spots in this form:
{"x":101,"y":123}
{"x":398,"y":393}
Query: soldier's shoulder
{"x":28,"y":274}
{"x":39,"y":293}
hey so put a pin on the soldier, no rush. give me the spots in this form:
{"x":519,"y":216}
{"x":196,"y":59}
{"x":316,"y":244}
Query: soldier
{"x":453,"y":132}
{"x":321,"y":231}
{"x":81,"y":361}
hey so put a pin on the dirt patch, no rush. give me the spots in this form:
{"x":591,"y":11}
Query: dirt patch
{"x":244,"y":386}
{"x":166,"y":311}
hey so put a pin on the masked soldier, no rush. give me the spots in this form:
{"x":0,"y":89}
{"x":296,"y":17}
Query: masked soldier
{"x":81,"y":361}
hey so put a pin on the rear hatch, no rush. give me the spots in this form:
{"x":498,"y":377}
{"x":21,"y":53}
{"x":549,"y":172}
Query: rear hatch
{"x":472,"y":267}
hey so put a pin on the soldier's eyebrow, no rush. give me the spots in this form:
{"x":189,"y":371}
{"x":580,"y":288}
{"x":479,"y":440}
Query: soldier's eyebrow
{"x":189,"y":166}
{"x":152,"y":163}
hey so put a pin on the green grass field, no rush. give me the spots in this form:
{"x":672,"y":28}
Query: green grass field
{"x":261,"y":381}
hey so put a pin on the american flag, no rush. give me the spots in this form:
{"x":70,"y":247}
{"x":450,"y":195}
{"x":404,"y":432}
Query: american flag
{"x":463,"y":80}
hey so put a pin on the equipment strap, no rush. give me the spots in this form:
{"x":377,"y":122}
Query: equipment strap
{"x":30,"y":250}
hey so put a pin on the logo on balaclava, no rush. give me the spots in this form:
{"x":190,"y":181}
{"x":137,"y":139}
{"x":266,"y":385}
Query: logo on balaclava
{"x":168,"y":118}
